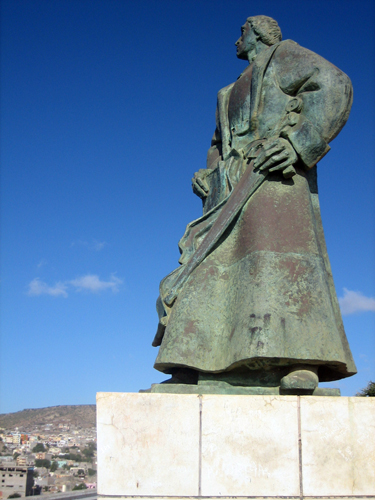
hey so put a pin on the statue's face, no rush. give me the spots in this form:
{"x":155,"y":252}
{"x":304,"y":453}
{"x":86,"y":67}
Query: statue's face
{"x":247,"y":41}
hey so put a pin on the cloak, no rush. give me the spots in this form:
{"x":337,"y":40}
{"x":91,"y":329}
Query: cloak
{"x":263,"y":297}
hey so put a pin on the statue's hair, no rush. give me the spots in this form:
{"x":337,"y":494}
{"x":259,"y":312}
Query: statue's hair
{"x":267,"y":28}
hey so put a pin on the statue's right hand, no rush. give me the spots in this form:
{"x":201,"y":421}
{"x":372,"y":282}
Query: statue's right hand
{"x":199,"y":183}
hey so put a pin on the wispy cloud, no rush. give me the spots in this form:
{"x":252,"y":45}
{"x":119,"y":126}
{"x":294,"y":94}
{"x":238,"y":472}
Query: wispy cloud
{"x":92,"y":283}
{"x":354,"y":302}
{"x":99,"y":245}
{"x":38,"y":287}
{"x":88,"y":283}
{"x":93,"y":245}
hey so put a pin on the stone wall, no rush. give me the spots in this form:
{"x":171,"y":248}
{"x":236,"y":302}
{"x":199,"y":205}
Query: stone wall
{"x":170,"y":445}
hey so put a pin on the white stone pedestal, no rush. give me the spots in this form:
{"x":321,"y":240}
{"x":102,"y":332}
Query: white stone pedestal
{"x":208,"y":446}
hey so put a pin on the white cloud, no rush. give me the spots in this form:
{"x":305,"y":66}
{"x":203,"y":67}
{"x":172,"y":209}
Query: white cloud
{"x":92,"y":283}
{"x":88,"y":283}
{"x":42,"y":263}
{"x":94,"y":245}
{"x":38,"y":287}
{"x":353,"y":302}
{"x":98,"y":245}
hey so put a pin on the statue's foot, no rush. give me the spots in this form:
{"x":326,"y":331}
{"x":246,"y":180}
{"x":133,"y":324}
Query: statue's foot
{"x":300,"y":381}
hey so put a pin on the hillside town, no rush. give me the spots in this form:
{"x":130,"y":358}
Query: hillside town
{"x":49,"y":458}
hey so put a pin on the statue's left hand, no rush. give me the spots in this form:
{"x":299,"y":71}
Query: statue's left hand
{"x":277,"y":154}
{"x":199,"y":183}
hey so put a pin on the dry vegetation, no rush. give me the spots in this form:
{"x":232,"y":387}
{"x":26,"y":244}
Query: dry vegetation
{"x":83,"y":416}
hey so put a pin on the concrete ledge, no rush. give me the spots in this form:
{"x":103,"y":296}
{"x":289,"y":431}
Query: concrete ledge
{"x":89,"y":494}
{"x":339,"y":497}
{"x":225,"y":446}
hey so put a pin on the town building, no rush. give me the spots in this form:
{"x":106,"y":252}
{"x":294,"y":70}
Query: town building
{"x":15,"y":479}
{"x":21,"y":461}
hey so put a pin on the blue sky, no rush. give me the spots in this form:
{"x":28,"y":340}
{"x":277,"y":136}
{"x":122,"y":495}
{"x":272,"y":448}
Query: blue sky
{"x":107,"y":111}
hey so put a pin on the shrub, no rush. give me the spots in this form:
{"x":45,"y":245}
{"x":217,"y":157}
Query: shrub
{"x":368,"y":391}
{"x":81,"y":486}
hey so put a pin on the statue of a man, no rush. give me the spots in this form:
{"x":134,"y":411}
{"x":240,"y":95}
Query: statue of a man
{"x":253,"y":303}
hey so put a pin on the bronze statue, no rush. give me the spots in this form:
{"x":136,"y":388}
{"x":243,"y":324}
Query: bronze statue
{"x":253,"y":306}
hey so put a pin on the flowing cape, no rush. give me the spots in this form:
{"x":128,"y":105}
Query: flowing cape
{"x":264,"y":295}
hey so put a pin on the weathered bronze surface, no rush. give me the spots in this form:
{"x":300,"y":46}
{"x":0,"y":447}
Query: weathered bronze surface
{"x":253,"y":304}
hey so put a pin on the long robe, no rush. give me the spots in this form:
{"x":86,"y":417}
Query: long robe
{"x":264,"y":296}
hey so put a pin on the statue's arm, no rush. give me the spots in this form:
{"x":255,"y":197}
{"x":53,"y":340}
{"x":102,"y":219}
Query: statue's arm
{"x":318,"y":106}
{"x":325,"y":96}
{"x":199,"y":182}
{"x":214,"y":154}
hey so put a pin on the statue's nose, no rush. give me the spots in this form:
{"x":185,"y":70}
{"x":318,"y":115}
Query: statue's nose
{"x":238,"y":41}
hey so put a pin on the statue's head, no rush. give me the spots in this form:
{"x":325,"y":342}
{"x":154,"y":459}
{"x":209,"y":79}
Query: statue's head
{"x":257,"y":31}
{"x":267,"y":29}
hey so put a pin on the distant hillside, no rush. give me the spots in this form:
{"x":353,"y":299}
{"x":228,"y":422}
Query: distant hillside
{"x":83,"y":416}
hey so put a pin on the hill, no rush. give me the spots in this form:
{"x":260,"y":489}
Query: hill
{"x":83,"y":416}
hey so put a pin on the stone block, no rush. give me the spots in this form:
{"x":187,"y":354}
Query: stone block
{"x":249,"y":446}
{"x":234,"y":446}
{"x":338,"y":446}
{"x":148,"y":444}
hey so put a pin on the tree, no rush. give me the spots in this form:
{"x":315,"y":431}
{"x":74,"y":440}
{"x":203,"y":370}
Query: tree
{"x":72,"y":456}
{"x":92,"y":446}
{"x":81,"y":486}
{"x":39,"y":448}
{"x":43,"y":463}
{"x":54,"y":466}
{"x":35,"y":473}
{"x":88,"y":453}
{"x":15,"y":455}
{"x":14,"y":495}
{"x":91,"y":472}
{"x":368,"y":391}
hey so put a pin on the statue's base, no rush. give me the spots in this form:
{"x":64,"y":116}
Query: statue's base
{"x":222,"y":388}
{"x":258,"y":447}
